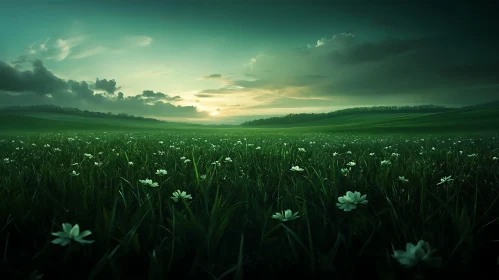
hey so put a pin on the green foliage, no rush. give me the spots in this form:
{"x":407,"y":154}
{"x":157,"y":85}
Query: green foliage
{"x":227,"y":231}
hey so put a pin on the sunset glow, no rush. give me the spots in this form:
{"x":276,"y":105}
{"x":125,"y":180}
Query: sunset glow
{"x":174,"y":60}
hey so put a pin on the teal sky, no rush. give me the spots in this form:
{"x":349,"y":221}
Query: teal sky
{"x":229,"y":61}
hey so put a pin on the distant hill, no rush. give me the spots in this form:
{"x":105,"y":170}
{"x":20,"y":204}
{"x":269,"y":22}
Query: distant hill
{"x":418,"y":119}
{"x":376,"y":112}
{"x":73,"y":112}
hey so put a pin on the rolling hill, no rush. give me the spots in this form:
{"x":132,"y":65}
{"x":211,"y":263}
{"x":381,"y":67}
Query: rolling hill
{"x":467,"y":119}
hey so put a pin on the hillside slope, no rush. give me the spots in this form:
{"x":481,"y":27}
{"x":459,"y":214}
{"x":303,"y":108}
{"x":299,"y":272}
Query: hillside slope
{"x":459,"y":121}
{"x":463,"y":120}
{"x":39,"y":121}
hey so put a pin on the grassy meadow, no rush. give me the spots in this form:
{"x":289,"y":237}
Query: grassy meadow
{"x":118,"y":181}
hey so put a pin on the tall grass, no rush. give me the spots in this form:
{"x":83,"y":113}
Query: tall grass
{"x":227,"y":231}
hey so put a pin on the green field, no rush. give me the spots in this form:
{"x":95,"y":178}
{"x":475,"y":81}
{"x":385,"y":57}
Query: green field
{"x":459,"y":121}
{"x":57,"y":169}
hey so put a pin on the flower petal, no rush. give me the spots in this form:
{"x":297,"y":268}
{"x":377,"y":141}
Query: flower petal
{"x":83,"y":241}
{"x":61,"y":241}
{"x":60,"y":234}
{"x":66,"y":227}
{"x":356,"y":195}
{"x":75,"y":231}
{"x":85,"y":233}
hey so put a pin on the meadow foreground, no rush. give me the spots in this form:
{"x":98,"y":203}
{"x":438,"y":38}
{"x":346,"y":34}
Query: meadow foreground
{"x":189,"y":205}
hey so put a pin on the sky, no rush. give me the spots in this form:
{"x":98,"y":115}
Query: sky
{"x":228,"y":61}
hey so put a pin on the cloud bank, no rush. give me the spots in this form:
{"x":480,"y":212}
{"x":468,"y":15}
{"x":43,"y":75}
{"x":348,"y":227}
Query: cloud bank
{"x":344,"y":70}
{"x":40,"y":86}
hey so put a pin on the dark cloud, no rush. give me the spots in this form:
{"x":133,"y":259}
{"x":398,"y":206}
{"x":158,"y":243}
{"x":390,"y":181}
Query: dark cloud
{"x":39,"y":86}
{"x":21,"y":99}
{"x":38,"y":80}
{"x":150,"y":95}
{"x":18,"y":64}
{"x":108,"y":86}
{"x":376,"y":51}
{"x":216,"y":91}
{"x":201,"y":95}
{"x":426,"y":70}
{"x":213,"y":76}
{"x":81,"y":90}
{"x":433,"y":68}
{"x":384,"y":21}
{"x":268,"y":84}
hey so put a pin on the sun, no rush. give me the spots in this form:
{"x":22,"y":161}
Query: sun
{"x":214,"y":113}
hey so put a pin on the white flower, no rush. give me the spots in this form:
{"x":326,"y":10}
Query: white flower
{"x":228,"y":159}
{"x":335,"y":154}
{"x":351,"y":164}
{"x":403,"y":179}
{"x":74,"y":173}
{"x":130,"y":163}
{"x":149,"y":182}
{"x":386,"y":162}
{"x":216,"y":163}
{"x":494,"y":158}
{"x":258,"y":148}
{"x":287,"y":215}
{"x":202,"y":177}
{"x":371,"y":154}
{"x":349,"y":152}
{"x":71,"y":233}
{"x":187,"y":160}
{"x":413,"y":254}
{"x":161,"y":172}
{"x":98,"y":164}
{"x":301,"y":150}
{"x":445,"y":180}
{"x":90,"y":156}
{"x":349,"y":201}
{"x":178,"y":194}
{"x":296,"y":168}
{"x":345,"y":171}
